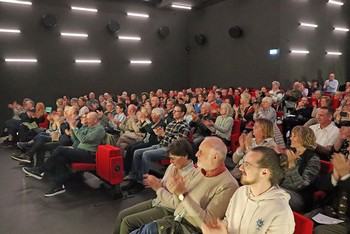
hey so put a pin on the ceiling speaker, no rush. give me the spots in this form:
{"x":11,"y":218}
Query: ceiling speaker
{"x":235,"y":32}
{"x":163,"y":31}
{"x":113,"y":26}
{"x":49,"y":20}
{"x":200,"y":39}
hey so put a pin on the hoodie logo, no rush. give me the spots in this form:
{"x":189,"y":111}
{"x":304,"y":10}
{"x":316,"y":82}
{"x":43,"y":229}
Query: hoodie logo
{"x":259,"y":224}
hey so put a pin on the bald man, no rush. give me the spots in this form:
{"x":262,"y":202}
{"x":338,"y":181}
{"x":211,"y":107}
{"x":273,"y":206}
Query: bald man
{"x":86,"y":139}
{"x":203,"y":198}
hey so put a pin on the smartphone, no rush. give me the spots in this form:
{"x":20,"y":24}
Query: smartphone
{"x":48,"y":109}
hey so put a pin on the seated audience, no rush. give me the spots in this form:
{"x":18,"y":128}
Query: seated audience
{"x":324,"y":101}
{"x":201,"y":199}
{"x":200,"y":130}
{"x":244,"y":112}
{"x":337,"y":202}
{"x":180,"y":153}
{"x":266,"y":111}
{"x":143,"y":158}
{"x":149,"y":139}
{"x":259,"y":206}
{"x":87,"y":140}
{"x":298,"y":116}
{"x":275,"y":93}
{"x":326,"y":132}
{"x":263,"y":136}
{"x":303,"y":168}
{"x":222,"y":127}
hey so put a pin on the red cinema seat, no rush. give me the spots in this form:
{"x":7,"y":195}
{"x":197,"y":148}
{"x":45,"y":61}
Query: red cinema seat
{"x":303,"y":225}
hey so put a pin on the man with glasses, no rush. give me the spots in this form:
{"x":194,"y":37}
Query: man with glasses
{"x":144,"y":157}
{"x":202,"y":197}
{"x":259,"y":206}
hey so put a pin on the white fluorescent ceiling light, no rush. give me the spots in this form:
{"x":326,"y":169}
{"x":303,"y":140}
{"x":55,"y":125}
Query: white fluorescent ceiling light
{"x":181,"y":6}
{"x":137,"y":14}
{"x":129,"y":38}
{"x":309,"y":25}
{"x":140,"y":61}
{"x":17,"y":2}
{"x":299,"y":51}
{"x":83,"y":9}
{"x":333,"y":53}
{"x":21,"y":60}
{"x":336,"y":2}
{"x":9,"y":30}
{"x":88,"y":61}
{"x":74,"y":34}
{"x":341,"y":29}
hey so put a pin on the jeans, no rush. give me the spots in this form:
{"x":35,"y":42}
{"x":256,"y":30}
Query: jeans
{"x":143,"y":158}
{"x":149,"y":228}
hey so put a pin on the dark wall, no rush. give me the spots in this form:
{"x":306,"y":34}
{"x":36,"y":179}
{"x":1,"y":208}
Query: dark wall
{"x":226,"y":61}
{"x":56,"y":73}
{"x":268,"y":24}
{"x":317,"y":40}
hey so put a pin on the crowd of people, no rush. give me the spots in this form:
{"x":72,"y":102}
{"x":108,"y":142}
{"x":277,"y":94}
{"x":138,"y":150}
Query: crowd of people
{"x":285,"y":135}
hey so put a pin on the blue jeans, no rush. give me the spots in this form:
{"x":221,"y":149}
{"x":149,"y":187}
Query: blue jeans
{"x":143,"y":158}
{"x":149,"y":228}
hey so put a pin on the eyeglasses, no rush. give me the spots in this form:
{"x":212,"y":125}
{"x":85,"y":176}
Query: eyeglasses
{"x":257,"y":126}
{"x":247,"y":165}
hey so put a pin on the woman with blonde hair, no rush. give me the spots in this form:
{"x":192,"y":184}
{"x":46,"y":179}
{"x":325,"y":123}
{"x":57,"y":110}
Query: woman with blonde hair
{"x":244,"y":112}
{"x":304,"y":167}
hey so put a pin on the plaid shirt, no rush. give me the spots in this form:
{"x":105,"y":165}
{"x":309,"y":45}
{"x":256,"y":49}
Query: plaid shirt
{"x":174,"y":131}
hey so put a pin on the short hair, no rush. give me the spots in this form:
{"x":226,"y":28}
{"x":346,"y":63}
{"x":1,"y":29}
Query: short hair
{"x":276,"y":83}
{"x":171,"y":100}
{"x":306,"y":136}
{"x":329,"y":109}
{"x":266,"y":127}
{"x":159,"y":112}
{"x":327,"y":99}
{"x":276,"y":163}
{"x":268,"y":99}
{"x":246,"y":96}
{"x":121,"y":106}
{"x":83,"y":99}
{"x":206,"y":104}
{"x":181,"y":148}
{"x":74,"y":100}
{"x":182,"y":107}
{"x":228,"y":108}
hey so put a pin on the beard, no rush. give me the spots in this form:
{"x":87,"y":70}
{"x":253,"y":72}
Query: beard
{"x":246,"y":181}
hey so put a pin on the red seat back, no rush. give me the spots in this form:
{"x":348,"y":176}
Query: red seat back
{"x":303,"y":225}
{"x":326,"y":167}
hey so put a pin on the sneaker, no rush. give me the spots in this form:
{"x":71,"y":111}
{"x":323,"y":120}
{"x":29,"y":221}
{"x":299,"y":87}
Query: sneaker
{"x":22,"y":145}
{"x":127,"y":178}
{"x":129,"y":185}
{"x":25,"y":164}
{"x":55,"y":191}
{"x":33,"y":172}
{"x":22,"y":158}
{"x":16,"y":153}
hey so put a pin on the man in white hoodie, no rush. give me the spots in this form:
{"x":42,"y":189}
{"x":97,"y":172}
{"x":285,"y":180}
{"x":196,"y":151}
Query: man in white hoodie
{"x":260,"y":206}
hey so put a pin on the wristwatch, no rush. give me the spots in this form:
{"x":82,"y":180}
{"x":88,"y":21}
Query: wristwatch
{"x":182,"y":196}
